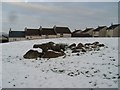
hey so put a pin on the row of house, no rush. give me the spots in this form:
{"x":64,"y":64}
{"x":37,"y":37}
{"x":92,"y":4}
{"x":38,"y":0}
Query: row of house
{"x":100,"y":31}
{"x":39,"y":33}
{"x":56,"y":32}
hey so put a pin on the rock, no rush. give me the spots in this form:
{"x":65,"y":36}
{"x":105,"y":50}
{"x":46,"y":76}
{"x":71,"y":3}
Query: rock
{"x":44,"y":46}
{"x":63,"y":46}
{"x":101,"y":45}
{"x":88,"y":44}
{"x":76,"y":50}
{"x":83,"y":50}
{"x":56,"y":47}
{"x":94,"y":46}
{"x":51,"y":46}
{"x":79,"y":46}
{"x":72,"y":46}
{"x":32,"y":54}
{"x":52,"y":54}
{"x":95,"y":43}
{"x":86,"y":71}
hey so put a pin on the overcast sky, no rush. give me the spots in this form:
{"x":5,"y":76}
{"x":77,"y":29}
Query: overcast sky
{"x":75,"y":15}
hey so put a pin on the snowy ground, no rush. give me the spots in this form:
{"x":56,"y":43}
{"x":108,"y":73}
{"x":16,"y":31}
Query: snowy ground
{"x":0,"y":66}
{"x":95,"y":69}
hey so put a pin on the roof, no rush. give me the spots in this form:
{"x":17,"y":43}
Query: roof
{"x":17,"y":34}
{"x":48,"y":31}
{"x":113,"y":26}
{"x":77,"y":31}
{"x":64,"y":30}
{"x":4,"y":34}
{"x":99,"y":28}
{"x":3,"y":37}
{"x":87,"y":29}
{"x":32,"y":32}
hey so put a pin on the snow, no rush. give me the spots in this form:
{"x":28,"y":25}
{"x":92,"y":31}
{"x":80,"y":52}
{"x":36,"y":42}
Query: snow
{"x":94,"y":69}
{"x":0,"y":66}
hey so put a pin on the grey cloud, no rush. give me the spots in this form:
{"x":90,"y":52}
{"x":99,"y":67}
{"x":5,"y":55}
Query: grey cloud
{"x":73,"y":15}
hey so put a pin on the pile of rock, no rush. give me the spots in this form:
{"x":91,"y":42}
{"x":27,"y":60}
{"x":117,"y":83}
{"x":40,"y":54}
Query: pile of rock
{"x":52,"y":50}
{"x":49,"y":50}
{"x":85,"y":47}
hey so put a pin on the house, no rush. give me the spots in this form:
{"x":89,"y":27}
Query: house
{"x":3,"y":37}
{"x":16,"y":35}
{"x":80,"y":33}
{"x":76,"y":33}
{"x":88,"y":31}
{"x":48,"y":33}
{"x":62,"y":31}
{"x":100,"y":31}
{"x":113,"y":30}
{"x":32,"y":33}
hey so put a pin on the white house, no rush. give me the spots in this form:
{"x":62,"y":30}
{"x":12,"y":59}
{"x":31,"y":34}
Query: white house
{"x":88,"y":31}
{"x":113,"y":30}
{"x":100,"y":31}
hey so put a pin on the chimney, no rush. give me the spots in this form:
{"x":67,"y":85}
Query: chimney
{"x":10,"y":30}
{"x":54,"y":26}
{"x":111,"y":23}
{"x":40,"y":28}
{"x":25,"y":28}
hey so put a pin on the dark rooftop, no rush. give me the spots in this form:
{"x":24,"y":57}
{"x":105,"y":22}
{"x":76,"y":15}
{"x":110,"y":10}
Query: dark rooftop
{"x":87,"y":29}
{"x":113,"y":26}
{"x":77,"y":31}
{"x":64,"y":30}
{"x":32,"y":32}
{"x":17,"y":34}
{"x":99,"y":28}
{"x":48,"y":31}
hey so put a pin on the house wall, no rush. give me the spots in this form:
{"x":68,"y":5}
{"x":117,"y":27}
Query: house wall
{"x":15,"y":39}
{"x":109,"y":33}
{"x":95,"y":33}
{"x":90,"y":32}
{"x":116,"y":32}
{"x":102,"y":32}
{"x":48,"y":36}
{"x":64,"y":35}
{"x":32,"y":37}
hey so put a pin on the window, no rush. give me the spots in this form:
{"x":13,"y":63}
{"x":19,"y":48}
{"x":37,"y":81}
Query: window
{"x":61,"y":35}
{"x":46,"y":36}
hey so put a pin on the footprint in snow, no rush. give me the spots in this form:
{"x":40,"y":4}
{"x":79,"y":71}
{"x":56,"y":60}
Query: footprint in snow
{"x":72,"y":74}
{"x":14,"y":85}
{"x":112,"y":59}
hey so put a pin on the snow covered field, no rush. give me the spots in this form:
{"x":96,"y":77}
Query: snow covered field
{"x":95,"y":69}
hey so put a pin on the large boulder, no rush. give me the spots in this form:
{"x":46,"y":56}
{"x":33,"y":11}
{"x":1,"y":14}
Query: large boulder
{"x":44,"y":46}
{"x":52,"y":54}
{"x":101,"y":45}
{"x":63,"y":47}
{"x":95,"y":43}
{"x":76,"y":50}
{"x":80,"y":46}
{"x":33,"y":54}
{"x":87,"y":44}
{"x":56,"y":47}
{"x":51,"y":46}
{"x":72,"y":46}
